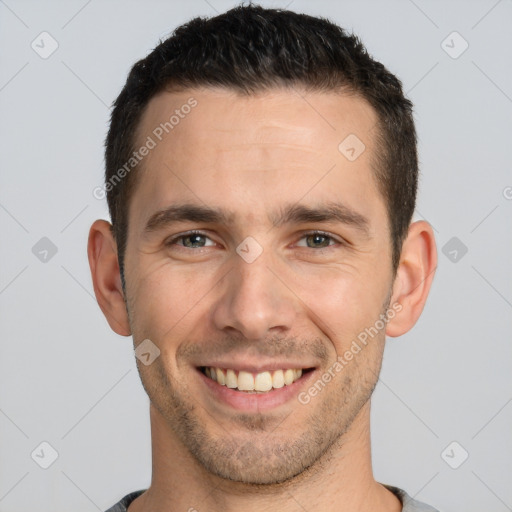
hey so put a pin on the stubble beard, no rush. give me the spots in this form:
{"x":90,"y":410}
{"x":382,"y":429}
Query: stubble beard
{"x":260,"y":449}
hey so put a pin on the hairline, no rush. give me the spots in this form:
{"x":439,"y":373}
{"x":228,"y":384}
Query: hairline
{"x":378,"y":157}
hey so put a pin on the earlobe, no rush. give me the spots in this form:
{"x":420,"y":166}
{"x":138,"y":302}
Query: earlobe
{"x":415,"y":273}
{"x":104,"y":265}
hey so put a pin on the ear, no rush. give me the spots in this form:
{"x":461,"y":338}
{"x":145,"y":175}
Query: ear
{"x":418,"y":263}
{"x":106,"y":277}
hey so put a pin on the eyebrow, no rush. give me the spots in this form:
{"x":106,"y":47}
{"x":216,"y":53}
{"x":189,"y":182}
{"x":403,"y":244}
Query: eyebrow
{"x":187,"y":212}
{"x":289,"y":214}
{"x":326,"y":212}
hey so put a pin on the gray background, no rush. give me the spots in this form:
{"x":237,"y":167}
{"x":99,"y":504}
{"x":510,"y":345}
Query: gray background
{"x":67,"y":379}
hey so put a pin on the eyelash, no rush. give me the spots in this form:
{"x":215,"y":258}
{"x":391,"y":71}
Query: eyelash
{"x":173,"y":240}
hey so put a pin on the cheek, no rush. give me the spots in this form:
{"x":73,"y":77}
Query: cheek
{"x":168,"y":299}
{"x":342,"y":303}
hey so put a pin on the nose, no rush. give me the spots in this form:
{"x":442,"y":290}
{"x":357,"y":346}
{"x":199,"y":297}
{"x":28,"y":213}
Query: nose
{"x":254,"y":301}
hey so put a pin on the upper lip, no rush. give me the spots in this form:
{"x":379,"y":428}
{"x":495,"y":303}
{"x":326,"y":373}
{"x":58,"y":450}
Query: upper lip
{"x":256,"y":366}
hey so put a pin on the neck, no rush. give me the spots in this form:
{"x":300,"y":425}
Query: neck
{"x":341,"y":480}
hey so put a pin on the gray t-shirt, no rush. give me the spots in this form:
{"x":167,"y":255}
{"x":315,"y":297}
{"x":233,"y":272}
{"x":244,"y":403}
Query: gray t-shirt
{"x":409,"y":505}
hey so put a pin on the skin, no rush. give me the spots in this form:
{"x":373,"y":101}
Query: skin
{"x":296,"y":301}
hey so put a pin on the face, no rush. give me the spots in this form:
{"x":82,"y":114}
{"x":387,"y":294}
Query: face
{"x":257,"y":253}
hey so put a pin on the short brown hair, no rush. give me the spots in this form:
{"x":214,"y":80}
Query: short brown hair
{"x":251,"y":49}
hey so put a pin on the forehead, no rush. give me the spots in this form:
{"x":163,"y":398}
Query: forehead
{"x":267,"y":117}
{"x":215,"y":146}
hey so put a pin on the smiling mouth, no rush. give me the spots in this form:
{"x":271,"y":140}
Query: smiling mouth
{"x":250,"y":382}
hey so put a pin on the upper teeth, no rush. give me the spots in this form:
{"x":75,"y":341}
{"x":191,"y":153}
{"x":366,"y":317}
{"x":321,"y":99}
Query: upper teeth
{"x":246,"y":381}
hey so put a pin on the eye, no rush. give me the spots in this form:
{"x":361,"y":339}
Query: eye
{"x":317,"y":240}
{"x":191,"y":240}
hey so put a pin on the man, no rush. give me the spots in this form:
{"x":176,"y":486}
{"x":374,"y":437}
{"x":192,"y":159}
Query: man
{"x":261,"y":175}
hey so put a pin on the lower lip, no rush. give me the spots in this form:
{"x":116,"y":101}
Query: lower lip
{"x":256,"y":402}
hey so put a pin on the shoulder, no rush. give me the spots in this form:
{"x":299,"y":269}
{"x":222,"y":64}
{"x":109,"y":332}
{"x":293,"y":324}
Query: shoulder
{"x":122,"y":505}
{"x":409,"y":504}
